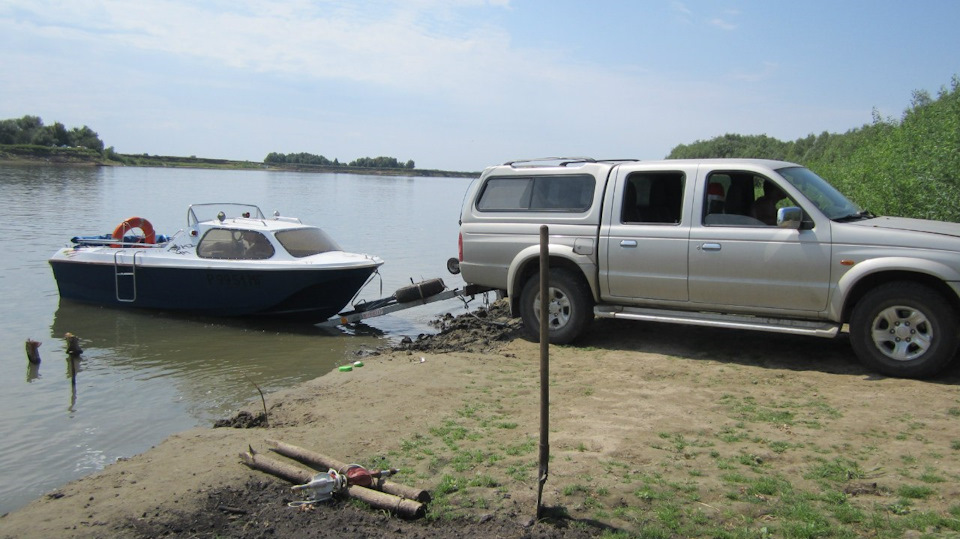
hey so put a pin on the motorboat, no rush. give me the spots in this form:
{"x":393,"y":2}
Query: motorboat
{"x":230,"y":260}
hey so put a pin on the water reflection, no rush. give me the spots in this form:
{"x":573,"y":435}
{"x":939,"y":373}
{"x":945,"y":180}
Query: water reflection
{"x":33,"y":371}
{"x":213,"y":363}
{"x":73,"y":367}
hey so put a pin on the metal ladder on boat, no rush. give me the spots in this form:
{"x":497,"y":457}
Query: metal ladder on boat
{"x":125,"y":277}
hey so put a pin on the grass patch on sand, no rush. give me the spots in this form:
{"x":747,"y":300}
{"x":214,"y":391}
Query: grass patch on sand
{"x":763,"y":472}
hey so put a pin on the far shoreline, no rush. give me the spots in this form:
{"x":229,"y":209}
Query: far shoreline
{"x":69,"y":157}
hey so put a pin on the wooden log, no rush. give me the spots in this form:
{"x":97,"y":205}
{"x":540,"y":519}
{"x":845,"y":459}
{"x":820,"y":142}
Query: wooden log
{"x":307,"y":456}
{"x":33,"y":355}
{"x":289,"y":472}
{"x":314,"y":459}
{"x":403,"y":507}
{"x":295,"y":474}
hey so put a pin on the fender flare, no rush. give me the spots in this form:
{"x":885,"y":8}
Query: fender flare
{"x":874,"y":266}
{"x":531,"y":254}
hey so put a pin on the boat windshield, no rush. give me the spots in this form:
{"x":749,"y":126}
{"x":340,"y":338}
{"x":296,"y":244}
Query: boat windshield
{"x":823,"y":195}
{"x":306,"y":241}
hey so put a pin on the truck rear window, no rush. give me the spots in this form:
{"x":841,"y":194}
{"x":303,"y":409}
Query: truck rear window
{"x":567,"y":193}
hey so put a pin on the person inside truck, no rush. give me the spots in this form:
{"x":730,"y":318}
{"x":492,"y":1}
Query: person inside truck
{"x":765,"y":207}
{"x":716,"y":196}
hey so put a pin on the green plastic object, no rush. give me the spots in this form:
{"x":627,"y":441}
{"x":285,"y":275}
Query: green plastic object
{"x":346,"y":368}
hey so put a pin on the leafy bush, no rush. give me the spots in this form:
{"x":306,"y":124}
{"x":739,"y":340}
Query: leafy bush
{"x":908,"y":167}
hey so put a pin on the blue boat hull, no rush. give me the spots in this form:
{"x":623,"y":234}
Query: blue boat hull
{"x":308,"y":296}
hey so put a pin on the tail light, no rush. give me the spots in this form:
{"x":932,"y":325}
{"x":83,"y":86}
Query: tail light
{"x":460,"y":247}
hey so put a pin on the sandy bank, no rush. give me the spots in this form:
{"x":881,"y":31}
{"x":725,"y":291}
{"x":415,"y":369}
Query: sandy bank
{"x":644,"y":418}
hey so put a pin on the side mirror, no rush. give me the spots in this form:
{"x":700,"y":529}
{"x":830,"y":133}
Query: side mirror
{"x":790,"y":217}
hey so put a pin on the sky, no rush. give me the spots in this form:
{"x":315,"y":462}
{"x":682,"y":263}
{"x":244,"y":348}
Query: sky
{"x":463,"y":84}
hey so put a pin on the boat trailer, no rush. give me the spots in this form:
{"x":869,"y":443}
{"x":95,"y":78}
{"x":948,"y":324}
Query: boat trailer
{"x":415,"y":295}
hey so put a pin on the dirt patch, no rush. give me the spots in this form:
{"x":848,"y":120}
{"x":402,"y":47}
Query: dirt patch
{"x":484,"y":330}
{"x":260,"y":509}
{"x":243,"y":420}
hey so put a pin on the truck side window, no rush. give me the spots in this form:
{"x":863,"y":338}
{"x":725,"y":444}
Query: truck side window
{"x":653,"y":197}
{"x":568,"y":193}
{"x":737,"y":199}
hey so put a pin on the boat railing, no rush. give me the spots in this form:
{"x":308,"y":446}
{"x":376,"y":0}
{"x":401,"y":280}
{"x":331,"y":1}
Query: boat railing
{"x":107,"y":240}
{"x":206,"y":212}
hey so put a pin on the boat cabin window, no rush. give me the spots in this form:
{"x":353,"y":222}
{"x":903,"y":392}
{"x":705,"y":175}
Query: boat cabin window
{"x":224,"y":244}
{"x":301,"y":242}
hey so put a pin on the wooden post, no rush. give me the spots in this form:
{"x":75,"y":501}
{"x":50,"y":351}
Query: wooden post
{"x":544,"y":363}
{"x":33,"y":354}
{"x":73,"y":344}
{"x":316,"y":460}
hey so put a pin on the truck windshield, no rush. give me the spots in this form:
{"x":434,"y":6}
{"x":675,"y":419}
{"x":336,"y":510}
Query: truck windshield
{"x":823,"y":195}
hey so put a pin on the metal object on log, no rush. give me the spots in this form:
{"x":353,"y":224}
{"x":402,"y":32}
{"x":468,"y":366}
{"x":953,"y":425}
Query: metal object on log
{"x":295,"y":474}
{"x":312,"y":458}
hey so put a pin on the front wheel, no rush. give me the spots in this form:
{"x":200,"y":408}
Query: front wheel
{"x":904,"y":329}
{"x":570,"y":306}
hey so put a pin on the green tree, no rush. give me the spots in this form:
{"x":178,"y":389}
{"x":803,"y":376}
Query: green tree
{"x":60,"y":135}
{"x":86,"y":138}
{"x":31,"y":129}
{"x":9,"y":131}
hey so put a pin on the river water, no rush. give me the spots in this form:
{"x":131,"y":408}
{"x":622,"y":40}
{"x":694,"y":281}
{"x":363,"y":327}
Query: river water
{"x":146,"y":375}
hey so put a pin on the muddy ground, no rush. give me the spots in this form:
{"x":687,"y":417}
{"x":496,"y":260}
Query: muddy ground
{"x":655,"y":430}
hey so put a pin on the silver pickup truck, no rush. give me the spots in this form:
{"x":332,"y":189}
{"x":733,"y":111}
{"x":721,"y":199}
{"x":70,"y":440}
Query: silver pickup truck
{"x":736,"y":243}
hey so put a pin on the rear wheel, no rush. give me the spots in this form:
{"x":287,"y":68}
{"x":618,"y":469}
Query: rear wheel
{"x":570,"y":306}
{"x":904,"y":329}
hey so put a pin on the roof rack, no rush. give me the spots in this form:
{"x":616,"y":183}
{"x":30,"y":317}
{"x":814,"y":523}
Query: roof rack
{"x":623,"y":160}
{"x":563,"y":161}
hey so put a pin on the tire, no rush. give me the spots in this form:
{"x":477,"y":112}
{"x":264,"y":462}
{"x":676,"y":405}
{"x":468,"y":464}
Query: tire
{"x":904,"y":329}
{"x":571,"y":306}
{"x":421,"y":290}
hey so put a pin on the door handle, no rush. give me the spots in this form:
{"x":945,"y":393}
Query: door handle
{"x":628,"y":243}
{"x":710,"y":246}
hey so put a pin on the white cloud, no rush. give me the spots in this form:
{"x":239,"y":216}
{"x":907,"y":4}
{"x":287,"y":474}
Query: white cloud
{"x":393,"y":44}
{"x":723,"y":24}
{"x":441,"y":81}
{"x":681,"y":8}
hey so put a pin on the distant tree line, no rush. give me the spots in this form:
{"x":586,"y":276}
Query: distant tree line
{"x":908,"y":167}
{"x":303,"y":158}
{"x":30,"y":130}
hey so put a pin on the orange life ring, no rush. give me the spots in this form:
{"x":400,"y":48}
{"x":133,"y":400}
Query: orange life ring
{"x":128,"y":224}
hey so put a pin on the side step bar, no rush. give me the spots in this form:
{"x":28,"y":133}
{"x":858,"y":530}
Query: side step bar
{"x":720,"y":320}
